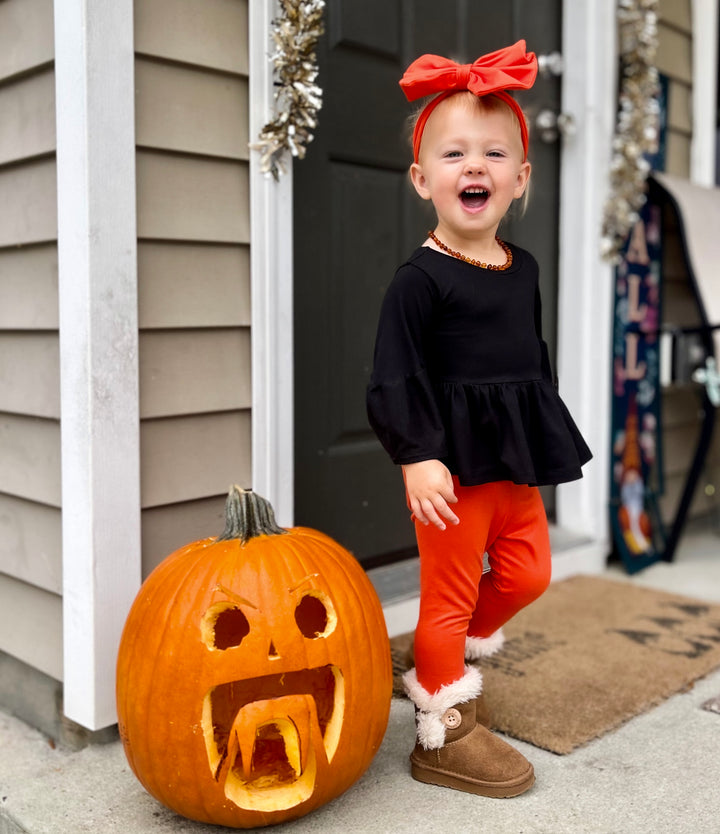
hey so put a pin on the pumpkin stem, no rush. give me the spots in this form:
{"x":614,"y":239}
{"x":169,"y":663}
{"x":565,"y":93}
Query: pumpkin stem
{"x":247,"y":515}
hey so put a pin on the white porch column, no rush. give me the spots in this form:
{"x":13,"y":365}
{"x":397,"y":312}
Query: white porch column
{"x":271,"y":266}
{"x":705,"y":81}
{"x":585,"y":282}
{"x":98,"y":344}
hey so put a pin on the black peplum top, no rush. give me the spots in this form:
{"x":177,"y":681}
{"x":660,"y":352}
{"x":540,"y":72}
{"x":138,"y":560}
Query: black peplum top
{"x":461,"y":374}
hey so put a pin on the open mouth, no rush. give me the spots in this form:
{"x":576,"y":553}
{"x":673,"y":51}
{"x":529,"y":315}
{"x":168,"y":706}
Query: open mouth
{"x":263,"y":735}
{"x":474,"y":198}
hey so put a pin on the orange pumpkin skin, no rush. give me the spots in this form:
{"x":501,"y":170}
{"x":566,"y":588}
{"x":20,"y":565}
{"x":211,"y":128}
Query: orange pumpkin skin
{"x":253,"y":679}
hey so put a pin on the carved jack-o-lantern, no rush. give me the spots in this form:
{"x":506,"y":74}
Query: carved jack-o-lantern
{"x":254,"y":674}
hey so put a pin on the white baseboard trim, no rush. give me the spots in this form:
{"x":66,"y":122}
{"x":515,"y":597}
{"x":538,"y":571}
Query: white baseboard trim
{"x":587,"y":558}
{"x":401,"y":617}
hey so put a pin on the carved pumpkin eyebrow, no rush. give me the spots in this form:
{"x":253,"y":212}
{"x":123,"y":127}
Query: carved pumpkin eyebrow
{"x":302,"y":582}
{"x":235,"y":597}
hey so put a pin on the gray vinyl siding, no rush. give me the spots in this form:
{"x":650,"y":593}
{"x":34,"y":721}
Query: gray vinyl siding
{"x":674,"y":59}
{"x":191,"y":73}
{"x":30,"y":514}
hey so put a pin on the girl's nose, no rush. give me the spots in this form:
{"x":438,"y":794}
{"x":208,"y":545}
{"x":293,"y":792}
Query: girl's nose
{"x":474,"y":166}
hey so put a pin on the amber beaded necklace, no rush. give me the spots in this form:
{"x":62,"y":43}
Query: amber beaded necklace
{"x":461,"y":257}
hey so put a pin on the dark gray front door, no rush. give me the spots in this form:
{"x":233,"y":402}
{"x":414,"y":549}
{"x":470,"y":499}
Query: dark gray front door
{"x":356,"y":218}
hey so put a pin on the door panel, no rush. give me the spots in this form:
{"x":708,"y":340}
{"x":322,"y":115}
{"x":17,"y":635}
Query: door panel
{"x":359,"y":255}
{"x":357,"y":218}
{"x":367,"y":124}
{"x":339,"y":455}
{"x":356,"y":24}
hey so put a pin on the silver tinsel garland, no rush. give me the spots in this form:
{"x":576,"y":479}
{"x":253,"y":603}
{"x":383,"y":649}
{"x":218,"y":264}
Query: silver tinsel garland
{"x":297,"y":98}
{"x":636,"y":135}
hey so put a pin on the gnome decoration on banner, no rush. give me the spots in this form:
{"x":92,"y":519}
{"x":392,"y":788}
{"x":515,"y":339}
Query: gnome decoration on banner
{"x":254,"y":673}
{"x":636,"y":472}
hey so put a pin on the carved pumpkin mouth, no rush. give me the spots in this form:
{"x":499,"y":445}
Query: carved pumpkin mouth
{"x":263,"y":735}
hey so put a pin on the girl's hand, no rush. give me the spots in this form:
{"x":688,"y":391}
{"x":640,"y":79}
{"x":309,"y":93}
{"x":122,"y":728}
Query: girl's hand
{"x":430,"y":489}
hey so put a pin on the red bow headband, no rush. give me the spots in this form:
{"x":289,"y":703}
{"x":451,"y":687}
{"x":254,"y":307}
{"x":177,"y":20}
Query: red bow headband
{"x":510,"y":68}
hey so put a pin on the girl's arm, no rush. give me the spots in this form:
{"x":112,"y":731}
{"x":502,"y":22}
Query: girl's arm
{"x":401,"y":400}
{"x":430,"y":489}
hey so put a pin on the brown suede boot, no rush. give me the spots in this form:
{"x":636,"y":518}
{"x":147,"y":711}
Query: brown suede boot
{"x":454,"y":750}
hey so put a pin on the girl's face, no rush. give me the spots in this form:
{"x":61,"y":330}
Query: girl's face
{"x":471,"y":167}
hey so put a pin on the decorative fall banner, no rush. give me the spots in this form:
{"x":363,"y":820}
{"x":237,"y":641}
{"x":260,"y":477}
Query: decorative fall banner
{"x":636,"y":471}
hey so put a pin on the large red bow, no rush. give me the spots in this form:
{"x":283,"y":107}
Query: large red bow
{"x":510,"y":68}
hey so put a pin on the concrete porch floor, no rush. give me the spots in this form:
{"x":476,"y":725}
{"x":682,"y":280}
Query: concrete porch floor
{"x":658,"y":773}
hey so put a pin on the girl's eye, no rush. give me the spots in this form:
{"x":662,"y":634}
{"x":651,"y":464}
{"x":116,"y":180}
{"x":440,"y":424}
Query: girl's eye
{"x":452,"y":154}
{"x":496,"y":153}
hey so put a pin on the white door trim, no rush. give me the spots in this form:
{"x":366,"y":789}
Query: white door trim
{"x":585,"y":280}
{"x":271,"y":267}
{"x":99,"y":391}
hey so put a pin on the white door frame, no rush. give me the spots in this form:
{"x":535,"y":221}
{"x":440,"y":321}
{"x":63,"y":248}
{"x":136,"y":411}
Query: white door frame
{"x":585,"y":280}
{"x":271,"y":268}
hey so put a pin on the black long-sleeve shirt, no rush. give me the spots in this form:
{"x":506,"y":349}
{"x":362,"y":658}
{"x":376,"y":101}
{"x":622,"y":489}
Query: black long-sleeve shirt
{"x":461,"y":374}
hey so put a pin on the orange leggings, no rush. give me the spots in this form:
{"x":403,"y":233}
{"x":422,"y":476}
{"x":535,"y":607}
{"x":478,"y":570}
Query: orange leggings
{"x":508,"y":522}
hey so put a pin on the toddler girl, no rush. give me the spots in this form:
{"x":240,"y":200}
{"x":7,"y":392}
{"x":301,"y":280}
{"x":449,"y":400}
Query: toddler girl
{"x":462,"y":396}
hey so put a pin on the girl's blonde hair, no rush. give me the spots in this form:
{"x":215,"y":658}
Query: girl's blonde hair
{"x":487,"y":104}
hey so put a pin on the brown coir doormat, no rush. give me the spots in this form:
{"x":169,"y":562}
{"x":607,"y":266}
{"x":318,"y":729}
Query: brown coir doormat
{"x":590,"y":654}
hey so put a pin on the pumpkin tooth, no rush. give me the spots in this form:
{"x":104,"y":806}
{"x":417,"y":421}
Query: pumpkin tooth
{"x":331,"y":736}
{"x":295,"y":732}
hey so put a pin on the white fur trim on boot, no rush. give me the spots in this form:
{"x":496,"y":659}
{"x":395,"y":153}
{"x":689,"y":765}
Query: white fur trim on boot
{"x":477,"y":647}
{"x":431,"y":708}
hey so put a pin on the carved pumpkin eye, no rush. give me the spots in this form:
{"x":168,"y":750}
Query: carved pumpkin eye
{"x":224,"y":626}
{"x":315,"y":616}
{"x":231,"y":627}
